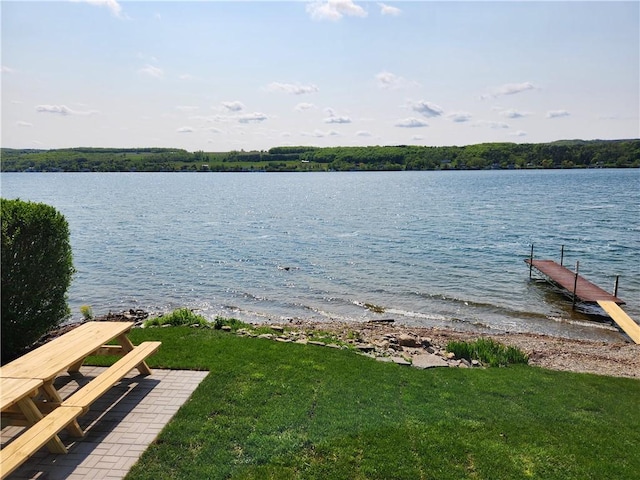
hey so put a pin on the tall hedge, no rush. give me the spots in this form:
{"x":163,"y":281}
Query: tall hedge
{"x":37,"y":268}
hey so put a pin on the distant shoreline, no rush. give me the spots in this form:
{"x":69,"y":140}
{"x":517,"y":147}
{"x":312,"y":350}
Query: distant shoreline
{"x":564,"y":154}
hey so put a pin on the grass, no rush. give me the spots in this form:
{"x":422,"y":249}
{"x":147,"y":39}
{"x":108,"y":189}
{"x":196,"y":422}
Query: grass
{"x":287,"y":411}
{"x":488,"y":351}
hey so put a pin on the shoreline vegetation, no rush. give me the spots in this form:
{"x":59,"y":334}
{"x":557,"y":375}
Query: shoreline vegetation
{"x":497,"y":156}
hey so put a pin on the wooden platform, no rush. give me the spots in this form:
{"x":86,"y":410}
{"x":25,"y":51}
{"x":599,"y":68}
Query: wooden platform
{"x":585,"y":291}
{"x":625,"y":322}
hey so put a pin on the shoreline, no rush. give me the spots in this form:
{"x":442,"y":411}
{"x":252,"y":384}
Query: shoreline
{"x":616,"y":359}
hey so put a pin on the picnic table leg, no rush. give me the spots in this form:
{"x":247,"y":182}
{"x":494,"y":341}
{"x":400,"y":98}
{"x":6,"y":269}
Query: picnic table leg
{"x":127,"y":346}
{"x":53,"y":396}
{"x":75,"y":368}
{"x":33,"y":415}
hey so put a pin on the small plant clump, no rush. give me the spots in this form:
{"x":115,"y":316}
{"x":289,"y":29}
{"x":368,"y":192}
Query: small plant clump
{"x":179,"y":317}
{"x":87,"y":312}
{"x":233,"y":323}
{"x":488,"y":351}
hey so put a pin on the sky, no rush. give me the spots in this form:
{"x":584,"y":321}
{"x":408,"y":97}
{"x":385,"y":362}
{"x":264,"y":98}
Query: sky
{"x":251,"y":75}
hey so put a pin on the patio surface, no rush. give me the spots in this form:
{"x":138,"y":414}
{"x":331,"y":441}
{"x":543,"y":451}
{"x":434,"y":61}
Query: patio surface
{"x":119,"y":426}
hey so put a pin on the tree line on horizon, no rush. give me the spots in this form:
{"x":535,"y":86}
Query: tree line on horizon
{"x":560,"y":154}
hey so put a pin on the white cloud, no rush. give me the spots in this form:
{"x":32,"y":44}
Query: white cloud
{"x":334,"y":10}
{"x":252,"y":117}
{"x":509,"y":89}
{"x":333,"y":118}
{"x":427,"y":109}
{"x":518,"y":133}
{"x":185,"y":130}
{"x":151,"y":71}
{"x":301,"y":107}
{"x":389,"y":10}
{"x":411,"y":122}
{"x":557,"y":113}
{"x":513,"y":114}
{"x":497,"y":125}
{"x":112,"y":5}
{"x":390,"y":81}
{"x":6,"y":69}
{"x":234,"y":106}
{"x":186,"y":108}
{"x":294,"y":89}
{"x":63,"y":110}
{"x":417,"y":137}
{"x":186,"y":76}
{"x":336,"y":119}
{"x":320,"y":133}
{"x":363,"y":133}
{"x":21,"y":123}
{"x":459,"y":117}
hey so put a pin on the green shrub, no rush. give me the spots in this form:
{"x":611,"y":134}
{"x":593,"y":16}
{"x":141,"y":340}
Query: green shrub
{"x":487,"y":351}
{"x":181,"y":316}
{"x":87,"y":312}
{"x":233,"y":323}
{"x":37,"y":268}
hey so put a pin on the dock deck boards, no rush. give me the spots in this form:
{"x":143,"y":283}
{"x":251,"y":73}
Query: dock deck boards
{"x":625,"y":322}
{"x":586,"y":291}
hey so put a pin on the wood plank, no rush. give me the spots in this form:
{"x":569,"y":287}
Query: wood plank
{"x":12,"y":390}
{"x":619,"y":316}
{"x":52,"y":358}
{"x":565,"y":278}
{"x":88,"y":394}
{"x":18,"y":451}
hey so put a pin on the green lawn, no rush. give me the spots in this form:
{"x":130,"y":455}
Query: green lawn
{"x":276,"y":410}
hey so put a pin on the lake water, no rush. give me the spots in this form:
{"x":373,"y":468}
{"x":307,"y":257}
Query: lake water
{"x":431,"y":248}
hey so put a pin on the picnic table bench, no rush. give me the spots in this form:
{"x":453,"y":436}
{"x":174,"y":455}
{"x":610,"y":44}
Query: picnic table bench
{"x":28,"y":395}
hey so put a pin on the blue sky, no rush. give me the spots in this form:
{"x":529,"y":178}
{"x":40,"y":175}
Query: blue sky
{"x":219,"y":76}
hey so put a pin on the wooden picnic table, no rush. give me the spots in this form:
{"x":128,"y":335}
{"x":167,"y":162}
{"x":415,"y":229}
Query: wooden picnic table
{"x":34,"y":373}
{"x":68,"y":351}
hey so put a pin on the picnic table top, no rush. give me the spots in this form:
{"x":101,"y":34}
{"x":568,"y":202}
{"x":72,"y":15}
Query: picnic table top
{"x":46,"y":362}
{"x":12,"y":390}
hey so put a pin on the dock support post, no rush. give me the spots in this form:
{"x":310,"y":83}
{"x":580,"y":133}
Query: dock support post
{"x":561,"y":255}
{"x":615,"y":288}
{"x":531,"y":261}
{"x":575,"y":285}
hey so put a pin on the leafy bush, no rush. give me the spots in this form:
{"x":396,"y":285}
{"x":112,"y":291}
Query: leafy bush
{"x":487,"y":351}
{"x":181,"y":316}
{"x":37,"y":268}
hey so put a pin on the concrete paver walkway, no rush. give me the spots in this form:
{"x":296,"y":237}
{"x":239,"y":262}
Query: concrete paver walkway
{"x":119,"y":426}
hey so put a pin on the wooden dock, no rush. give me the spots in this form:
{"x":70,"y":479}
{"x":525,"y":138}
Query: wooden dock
{"x":584,"y":290}
{"x":581,"y":289}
